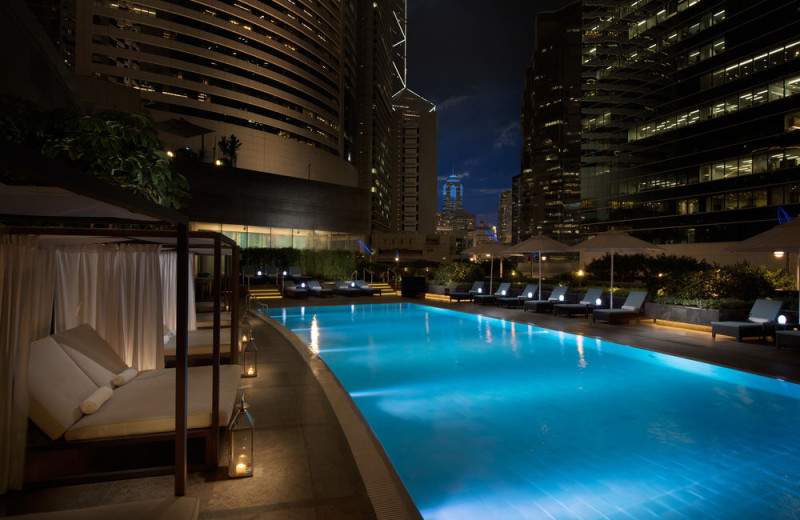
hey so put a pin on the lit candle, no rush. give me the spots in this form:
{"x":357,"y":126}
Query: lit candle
{"x":241,"y":468}
{"x":250,"y":371}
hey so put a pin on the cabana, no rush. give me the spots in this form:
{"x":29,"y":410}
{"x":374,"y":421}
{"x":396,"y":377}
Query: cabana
{"x":70,"y":197}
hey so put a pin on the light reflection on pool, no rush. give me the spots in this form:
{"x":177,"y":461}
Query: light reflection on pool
{"x":487,"y":419}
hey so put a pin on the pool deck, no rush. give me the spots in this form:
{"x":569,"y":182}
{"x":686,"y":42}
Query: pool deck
{"x":304,"y":467}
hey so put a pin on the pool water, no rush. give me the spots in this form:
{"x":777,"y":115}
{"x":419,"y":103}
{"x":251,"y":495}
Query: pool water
{"x":489,"y":419}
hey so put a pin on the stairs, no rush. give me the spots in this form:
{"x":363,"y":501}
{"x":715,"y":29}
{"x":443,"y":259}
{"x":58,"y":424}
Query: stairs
{"x":386,"y":289}
{"x":265,"y":294}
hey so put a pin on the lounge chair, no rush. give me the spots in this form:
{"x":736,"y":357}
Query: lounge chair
{"x":516,"y":301}
{"x":292,"y":290}
{"x":365,"y":288}
{"x":629,"y":310}
{"x":346,"y":288}
{"x":501,"y":291}
{"x":763,"y":312}
{"x":556,"y":296}
{"x":315,"y":289}
{"x":588,"y":303}
{"x":293,"y":272}
{"x":477,"y":288}
{"x":787,"y":338}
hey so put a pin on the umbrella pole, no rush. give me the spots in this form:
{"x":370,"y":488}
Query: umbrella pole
{"x":491,"y":274}
{"x":611,"y":299}
{"x":540,"y":275}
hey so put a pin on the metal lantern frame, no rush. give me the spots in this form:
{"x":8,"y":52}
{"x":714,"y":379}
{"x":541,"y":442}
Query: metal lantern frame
{"x":241,"y":435}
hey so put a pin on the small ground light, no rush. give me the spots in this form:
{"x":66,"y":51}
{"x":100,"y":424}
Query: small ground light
{"x":778,"y":254}
{"x":782,"y":319}
{"x":561,"y":297}
{"x":170,"y":154}
{"x":218,"y":162}
{"x":530,"y":295}
{"x":598,"y":302}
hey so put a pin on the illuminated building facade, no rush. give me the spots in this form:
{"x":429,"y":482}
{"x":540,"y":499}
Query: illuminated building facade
{"x":504,"y":217}
{"x":551,"y":118}
{"x":691,"y":117}
{"x":452,"y":197}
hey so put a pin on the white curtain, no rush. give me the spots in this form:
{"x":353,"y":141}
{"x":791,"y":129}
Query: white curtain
{"x":169,"y":275}
{"x":117,"y":290}
{"x":27,"y":278}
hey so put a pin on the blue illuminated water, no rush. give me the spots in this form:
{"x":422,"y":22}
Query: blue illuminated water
{"x":488,"y":419}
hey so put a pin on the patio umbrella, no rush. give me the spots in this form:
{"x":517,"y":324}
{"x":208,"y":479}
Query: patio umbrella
{"x":538,"y":244}
{"x":614,"y":241}
{"x":783,"y":237}
{"x":492,"y":250}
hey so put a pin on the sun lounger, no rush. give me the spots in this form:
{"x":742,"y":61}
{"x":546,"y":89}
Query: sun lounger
{"x":588,"y":303}
{"x":787,"y":338}
{"x":528,"y":293}
{"x":502,"y":290}
{"x":291,"y":290}
{"x":315,"y":289}
{"x":629,"y":310}
{"x":346,"y":288}
{"x":365,"y":288}
{"x":294,"y":273}
{"x":763,"y":312}
{"x":556,"y":296}
{"x":477,"y":288}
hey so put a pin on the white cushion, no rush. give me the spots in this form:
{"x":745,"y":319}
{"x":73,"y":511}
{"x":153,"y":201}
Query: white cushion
{"x":628,"y":308}
{"x":93,"y":403}
{"x":125,"y":376}
{"x":85,"y":340}
{"x":96,"y":372}
{"x":56,"y":387}
{"x":758,"y":320}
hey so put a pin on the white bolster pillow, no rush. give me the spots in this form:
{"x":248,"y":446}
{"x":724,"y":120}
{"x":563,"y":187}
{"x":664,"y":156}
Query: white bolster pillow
{"x":124,"y":376}
{"x":93,"y":403}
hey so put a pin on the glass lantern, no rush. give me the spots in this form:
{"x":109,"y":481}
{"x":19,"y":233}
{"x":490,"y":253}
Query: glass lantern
{"x":245,"y":333}
{"x":240,"y":463}
{"x":250,"y":359}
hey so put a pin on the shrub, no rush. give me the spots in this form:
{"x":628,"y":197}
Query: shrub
{"x":457,"y":272}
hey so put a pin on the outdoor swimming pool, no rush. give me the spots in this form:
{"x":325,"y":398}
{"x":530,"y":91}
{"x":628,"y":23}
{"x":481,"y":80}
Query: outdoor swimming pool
{"x":489,"y":419}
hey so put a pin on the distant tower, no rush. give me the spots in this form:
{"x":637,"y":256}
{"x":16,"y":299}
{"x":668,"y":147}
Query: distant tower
{"x":452,"y":197}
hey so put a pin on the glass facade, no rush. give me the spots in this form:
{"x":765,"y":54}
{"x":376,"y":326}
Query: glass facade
{"x":690,"y":118}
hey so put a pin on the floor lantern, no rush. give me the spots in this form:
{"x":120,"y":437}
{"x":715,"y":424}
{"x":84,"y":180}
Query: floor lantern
{"x":241,"y":437}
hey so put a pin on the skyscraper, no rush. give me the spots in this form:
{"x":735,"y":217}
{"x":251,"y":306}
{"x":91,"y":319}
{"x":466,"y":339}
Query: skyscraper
{"x":691,"y":112}
{"x":551,"y":118}
{"x":504,"y":217}
{"x":452,"y":197}
{"x":415,"y":157}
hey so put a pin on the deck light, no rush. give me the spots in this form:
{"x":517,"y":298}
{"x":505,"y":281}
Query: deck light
{"x":170,"y":154}
{"x":561,"y":297}
{"x":250,"y":359}
{"x":503,"y":292}
{"x":598,"y":302}
{"x":778,"y":254}
{"x":480,"y":290}
{"x":241,"y":436}
{"x":782,"y":319}
{"x":303,"y":284}
{"x":218,"y":162}
{"x":259,"y":273}
{"x":530,"y":294}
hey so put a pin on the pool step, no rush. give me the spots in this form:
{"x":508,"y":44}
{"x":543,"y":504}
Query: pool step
{"x":386,"y":289}
{"x":270,"y":293}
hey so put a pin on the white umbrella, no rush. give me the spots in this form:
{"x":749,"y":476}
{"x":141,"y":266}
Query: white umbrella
{"x":783,"y":237}
{"x":614,"y":241}
{"x":490,"y":249}
{"x":538,"y":244}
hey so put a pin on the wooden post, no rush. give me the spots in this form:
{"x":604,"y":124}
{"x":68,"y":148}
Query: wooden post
{"x":181,"y":359}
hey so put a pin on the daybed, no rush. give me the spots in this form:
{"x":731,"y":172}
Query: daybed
{"x":501,"y":291}
{"x":545,"y":305}
{"x":315,"y":289}
{"x":201,"y":342}
{"x":477,"y":288}
{"x":69,"y":375}
{"x":516,"y":301}
{"x":629,"y":310}
{"x":762,"y":313}
{"x":583,"y":307}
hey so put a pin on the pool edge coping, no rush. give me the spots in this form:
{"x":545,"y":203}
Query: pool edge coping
{"x":388,"y":495}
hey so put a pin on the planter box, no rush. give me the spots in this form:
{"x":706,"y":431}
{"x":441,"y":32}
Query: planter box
{"x":692,"y":315}
{"x":439,"y":289}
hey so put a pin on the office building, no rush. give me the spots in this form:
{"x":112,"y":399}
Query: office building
{"x":504,"y":217}
{"x":691,"y":117}
{"x":551,"y":119}
{"x":452,"y":196}
{"x":415,"y":163}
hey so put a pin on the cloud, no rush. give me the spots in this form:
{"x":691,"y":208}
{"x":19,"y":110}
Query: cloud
{"x":509,"y":135}
{"x":461,"y":176}
{"x":451,"y":102}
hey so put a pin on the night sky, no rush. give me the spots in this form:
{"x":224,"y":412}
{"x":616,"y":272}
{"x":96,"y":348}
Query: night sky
{"x":468,"y":57}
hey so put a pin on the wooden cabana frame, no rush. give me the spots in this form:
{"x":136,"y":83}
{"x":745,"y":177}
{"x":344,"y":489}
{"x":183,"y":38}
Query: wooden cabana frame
{"x":97,"y":202}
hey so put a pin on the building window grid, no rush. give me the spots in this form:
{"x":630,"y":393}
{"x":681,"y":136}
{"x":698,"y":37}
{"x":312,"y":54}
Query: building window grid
{"x":764,"y":93}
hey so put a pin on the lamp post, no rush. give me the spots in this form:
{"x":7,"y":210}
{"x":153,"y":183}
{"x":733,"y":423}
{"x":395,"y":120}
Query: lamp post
{"x":240,"y":428}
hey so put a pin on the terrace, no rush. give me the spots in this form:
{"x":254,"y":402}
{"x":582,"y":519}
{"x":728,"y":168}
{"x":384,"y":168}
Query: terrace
{"x":304,"y":467}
